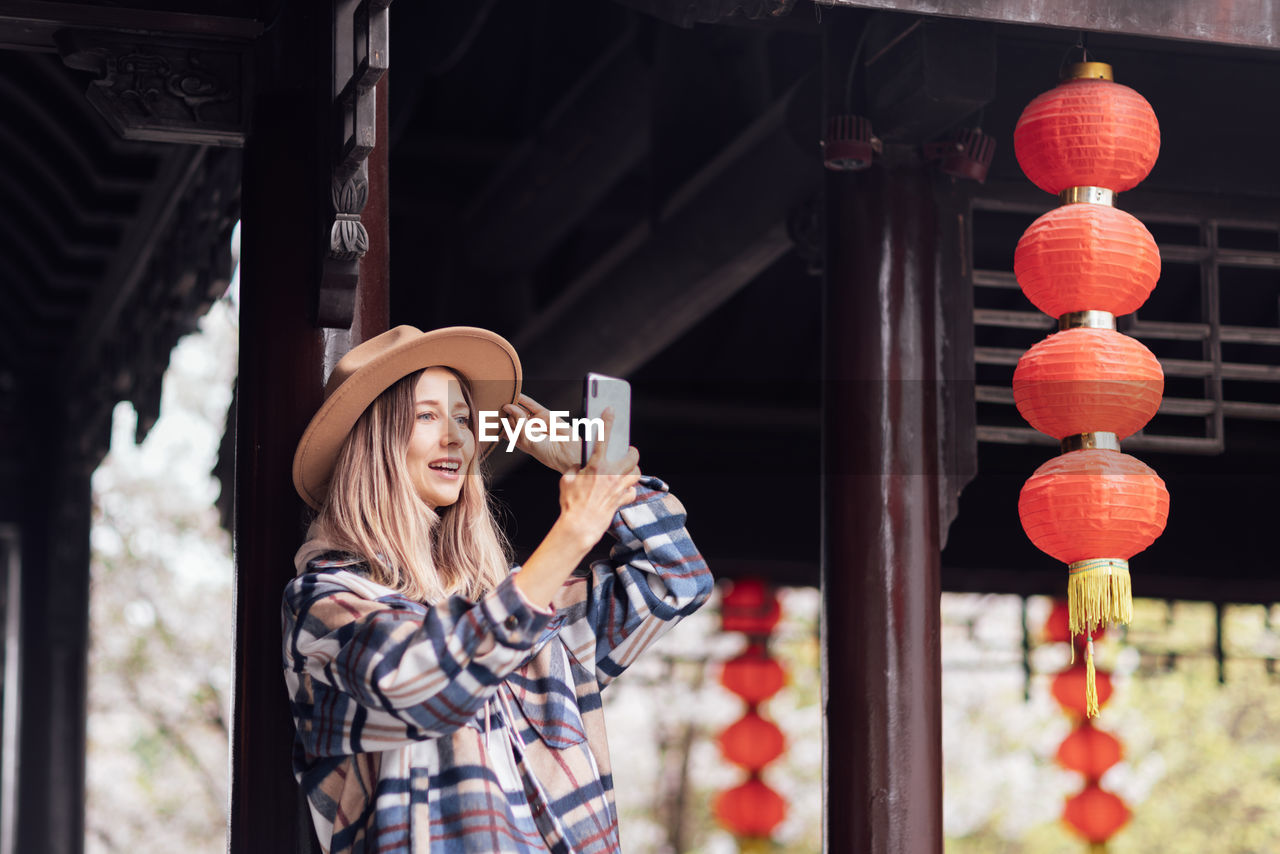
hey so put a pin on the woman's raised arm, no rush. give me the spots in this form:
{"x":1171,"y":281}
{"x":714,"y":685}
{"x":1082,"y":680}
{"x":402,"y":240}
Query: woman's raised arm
{"x":655,"y":576}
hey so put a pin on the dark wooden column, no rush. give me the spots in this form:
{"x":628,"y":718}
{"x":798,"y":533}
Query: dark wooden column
{"x":880,"y":564}
{"x":286,"y":211}
{"x":284,"y":200}
{"x":54,"y":628}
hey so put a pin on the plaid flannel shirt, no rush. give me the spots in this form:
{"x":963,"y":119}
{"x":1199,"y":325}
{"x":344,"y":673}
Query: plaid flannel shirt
{"x":477,"y":727}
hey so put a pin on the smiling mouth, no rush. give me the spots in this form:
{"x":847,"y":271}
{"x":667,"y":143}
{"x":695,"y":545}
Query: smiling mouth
{"x":447,"y":469}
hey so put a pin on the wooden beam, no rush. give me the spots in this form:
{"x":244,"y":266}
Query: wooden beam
{"x":1244,"y":23}
{"x":595,"y":136}
{"x":722,"y":229}
{"x":178,"y":169}
{"x":31,"y":24}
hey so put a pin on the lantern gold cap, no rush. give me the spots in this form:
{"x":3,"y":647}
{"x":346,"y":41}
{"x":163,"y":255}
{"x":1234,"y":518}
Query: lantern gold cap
{"x":1090,"y":318}
{"x":1088,"y":195}
{"x":1088,"y":71}
{"x":1099,"y":441}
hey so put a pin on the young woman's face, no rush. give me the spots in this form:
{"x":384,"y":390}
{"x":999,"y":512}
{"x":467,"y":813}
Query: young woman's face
{"x":442,"y":445}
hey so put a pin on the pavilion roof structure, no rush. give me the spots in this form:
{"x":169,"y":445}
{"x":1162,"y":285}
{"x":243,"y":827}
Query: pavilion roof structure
{"x":632,"y":187}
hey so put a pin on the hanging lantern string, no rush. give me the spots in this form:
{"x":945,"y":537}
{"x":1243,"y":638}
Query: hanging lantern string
{"x":1081,"y":45}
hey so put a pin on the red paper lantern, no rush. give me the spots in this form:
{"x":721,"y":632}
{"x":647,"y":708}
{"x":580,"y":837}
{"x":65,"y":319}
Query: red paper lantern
{"x":1093,"y":504}
{"x":1089,"y":751}
{"x":752,"y":742}
{"x":1086,"y":140}
{"x":750,"y":607}
{"x":1069,"y":688}
{"x":751,"y":809}
{"x":1085,"y":257}
{"x":1096,"y":814}
{"x":1085,"y":380}
{"x":1094,"y":133}
{"x":753,"y":675}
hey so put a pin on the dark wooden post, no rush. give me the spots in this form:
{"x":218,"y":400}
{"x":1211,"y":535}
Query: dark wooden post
{"x":284,"y":200}
{"x":54,"y":632}
{"x":286,"y":209}
{"x":880,"y":564}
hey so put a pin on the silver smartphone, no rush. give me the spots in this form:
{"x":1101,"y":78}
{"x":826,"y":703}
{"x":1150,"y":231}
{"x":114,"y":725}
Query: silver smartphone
{"x":600,"y":392}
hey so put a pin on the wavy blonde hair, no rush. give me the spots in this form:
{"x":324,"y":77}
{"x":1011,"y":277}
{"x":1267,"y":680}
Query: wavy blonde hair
{"x":373,"y":512}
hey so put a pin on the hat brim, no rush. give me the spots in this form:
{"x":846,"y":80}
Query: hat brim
{"x":485,"y":359}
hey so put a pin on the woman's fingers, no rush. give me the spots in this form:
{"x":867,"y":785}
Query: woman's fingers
{"x":596,"y":460}
{"x":535,"y":408}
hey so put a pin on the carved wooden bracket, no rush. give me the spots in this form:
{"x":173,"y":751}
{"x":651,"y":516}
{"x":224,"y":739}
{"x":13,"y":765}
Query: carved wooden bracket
{"x":361,"y":37}
{"x":161,"y":89}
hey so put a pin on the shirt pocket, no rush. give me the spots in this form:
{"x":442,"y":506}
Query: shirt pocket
{"x":544,"y":690}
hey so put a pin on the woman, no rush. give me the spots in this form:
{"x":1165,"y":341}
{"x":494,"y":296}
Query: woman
{"x":443,"y":701}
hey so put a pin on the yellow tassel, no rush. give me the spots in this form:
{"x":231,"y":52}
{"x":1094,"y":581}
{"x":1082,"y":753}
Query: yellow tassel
{"x":1098,"y":592}
{"x":1090,"y":683}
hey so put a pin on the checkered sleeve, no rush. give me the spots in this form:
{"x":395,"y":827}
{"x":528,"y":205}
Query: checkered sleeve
{"x":368,"y":674}
{"x":654,"y":577}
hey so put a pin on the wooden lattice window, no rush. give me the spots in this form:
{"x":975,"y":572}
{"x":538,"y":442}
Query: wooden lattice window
{"x":1213,"y":320}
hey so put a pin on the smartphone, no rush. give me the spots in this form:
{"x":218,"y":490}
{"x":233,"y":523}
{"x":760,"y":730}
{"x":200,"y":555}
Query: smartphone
{"x":600,"y":392}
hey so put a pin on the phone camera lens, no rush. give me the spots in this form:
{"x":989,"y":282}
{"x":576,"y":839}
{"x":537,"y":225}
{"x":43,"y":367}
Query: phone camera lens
{"x":595,"y":388}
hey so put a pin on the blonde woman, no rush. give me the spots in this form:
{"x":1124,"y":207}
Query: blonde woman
{"x":445,"y":701}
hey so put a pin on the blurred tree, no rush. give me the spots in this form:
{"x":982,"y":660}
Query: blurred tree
{"x":161,"y":623}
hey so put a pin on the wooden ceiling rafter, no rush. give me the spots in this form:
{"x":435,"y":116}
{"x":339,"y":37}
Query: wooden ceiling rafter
{"x":33,"y":24}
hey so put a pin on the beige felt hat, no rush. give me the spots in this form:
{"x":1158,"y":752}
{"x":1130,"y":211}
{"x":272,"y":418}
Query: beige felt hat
{"x":485,"y":358}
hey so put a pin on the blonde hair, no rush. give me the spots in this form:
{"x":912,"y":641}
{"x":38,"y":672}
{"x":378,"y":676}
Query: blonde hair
{"x":373,"y":512}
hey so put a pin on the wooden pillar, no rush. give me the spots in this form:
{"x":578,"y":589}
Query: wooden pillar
{"x":285,"y":213}
{"x":880,"y":564}
{"x":54,"y":630}
{"x":284,"y":199}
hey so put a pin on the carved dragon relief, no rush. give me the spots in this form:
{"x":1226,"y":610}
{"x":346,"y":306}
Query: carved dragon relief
{"x":182,"y":91}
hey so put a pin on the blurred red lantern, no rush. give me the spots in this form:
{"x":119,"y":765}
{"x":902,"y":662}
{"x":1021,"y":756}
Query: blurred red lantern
{"x":1069,"y":688}
{"x":1093,"y":504}
{"x":1088,"y":380}
{"x":753,"y":675}
{"x":1086,"y":257}
{"x":751,"y":809}
{"x":1057,"y":628}
{"x":1087,"y":132}
{"x":1055,"y":625}
{"x":749,"y":607}
{"x":752,"y":742}
{"x":1089,"y":751}
{"x":1096,"y":814}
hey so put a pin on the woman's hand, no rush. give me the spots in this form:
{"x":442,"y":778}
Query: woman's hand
{"x":588,"y":499}
{"x":560,"y":456}
{"x":590,"y":496}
